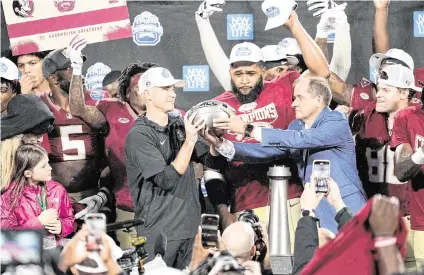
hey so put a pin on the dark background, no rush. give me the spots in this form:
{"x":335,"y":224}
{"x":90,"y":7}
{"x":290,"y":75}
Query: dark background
{"x":180,"y":43}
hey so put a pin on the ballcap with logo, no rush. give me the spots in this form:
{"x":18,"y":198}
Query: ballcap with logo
{"x":397,"y":76}
{"x":246,"y":51}
{"x":8,"y":69}
{"x":55,"y":61}
{"x":158,"y":77}
{"x":378,"y":58}
{"x":276,"y":53}
{"x":290,"y":46}
{"x":277,"y":12}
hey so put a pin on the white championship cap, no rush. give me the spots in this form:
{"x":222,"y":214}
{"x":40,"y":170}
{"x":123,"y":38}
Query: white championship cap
{"x":397,"y":76}
{"x":276,"y":53}
{"x":246,"y":51}
{"x":278,"y":12}
{"x":290,"y":46}
{"x":158,"y":77}
{"x":377,"y":59}
{"x":8,"y":69}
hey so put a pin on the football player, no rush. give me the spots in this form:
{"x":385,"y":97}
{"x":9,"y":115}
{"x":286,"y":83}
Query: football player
{"x":76,"y":148}
{"x":395,"y":89}
{"x":265,"y":105}
{"x":32,"y":79}
{"x":408,"y":141}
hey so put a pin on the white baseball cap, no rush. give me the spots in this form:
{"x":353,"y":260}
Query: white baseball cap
{"x":378,"y":58}
{"x":290,"y":46}
{"x":158,"y":77}
{"x":8,"y":69}
{"x":397,"y":76}
{"x":278,"y":12}
{"x":246,"y":51}
{"x":276,"y":53}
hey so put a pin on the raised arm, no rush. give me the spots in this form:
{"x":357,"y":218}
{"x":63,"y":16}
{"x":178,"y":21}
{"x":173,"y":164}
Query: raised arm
{"x":341,"y":91}
{"x":405,"y":167}
{"x":314,"y":58}
{"x":215,"y":55}
{"x":89,"y":114}
{"x":381,"y":43}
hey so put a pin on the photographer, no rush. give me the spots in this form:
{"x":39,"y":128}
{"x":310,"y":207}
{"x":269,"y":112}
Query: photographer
{"x":159,"y":149}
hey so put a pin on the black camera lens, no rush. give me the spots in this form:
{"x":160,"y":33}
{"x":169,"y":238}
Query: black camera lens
{"x":248,"y":216}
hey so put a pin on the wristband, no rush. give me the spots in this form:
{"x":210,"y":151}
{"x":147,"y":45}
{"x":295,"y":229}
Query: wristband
{"x":380,"y":242}
{"x":76,"y":70}
{"x":321,"y":34}
{"x":418,"y":156}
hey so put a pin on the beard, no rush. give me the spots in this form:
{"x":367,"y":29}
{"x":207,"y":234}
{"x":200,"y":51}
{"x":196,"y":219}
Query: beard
{"x":252,"y":95}
{"x":65,"y":85}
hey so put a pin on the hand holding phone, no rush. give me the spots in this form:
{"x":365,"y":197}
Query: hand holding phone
{"x":210,"y":227}
{"x":96,"y":225}
{"x":320,"y":174}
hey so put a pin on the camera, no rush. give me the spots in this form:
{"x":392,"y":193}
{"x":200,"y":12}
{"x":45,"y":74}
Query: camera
{"x":249,"y":216}
{"x":221,"y":263}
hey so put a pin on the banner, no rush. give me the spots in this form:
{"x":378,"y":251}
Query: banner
{"x":45,"y":25}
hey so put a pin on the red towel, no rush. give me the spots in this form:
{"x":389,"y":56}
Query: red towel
{"x":352,"y":251}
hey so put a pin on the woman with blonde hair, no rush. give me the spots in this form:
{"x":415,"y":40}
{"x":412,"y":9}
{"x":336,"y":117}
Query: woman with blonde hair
{"x":27,"y":120}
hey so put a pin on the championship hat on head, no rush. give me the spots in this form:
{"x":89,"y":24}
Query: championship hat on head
{"x":158,"y":77}
{"x":290,"y":46}
{"x":397,"y":76}
{"x":398,"y":55}
{"x":55,"y":61}
{"x":8,"y":69}
{"x":278,"y":12}
{"x":246,"y":51}
{"x":273,"y":53}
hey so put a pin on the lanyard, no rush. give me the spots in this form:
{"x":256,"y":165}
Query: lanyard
{"x":42,"y":199}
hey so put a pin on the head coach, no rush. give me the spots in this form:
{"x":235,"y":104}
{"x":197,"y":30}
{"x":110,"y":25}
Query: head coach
{"x":159,"y":150}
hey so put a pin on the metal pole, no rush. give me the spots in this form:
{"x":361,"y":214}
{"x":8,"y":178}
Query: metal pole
{"x":279,"y":235}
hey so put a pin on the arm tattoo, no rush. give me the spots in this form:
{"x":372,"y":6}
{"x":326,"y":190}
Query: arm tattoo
{"x":342,"y":91}
{"x":89,"y":114}
{"x":322,"y":44}
{"x":405,"y":168}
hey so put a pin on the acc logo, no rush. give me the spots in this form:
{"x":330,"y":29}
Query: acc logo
{"x":64,"y":5}
{"x":364,"y":96}
{"x":23,"y":8}
{"x":95,"y":75}
{"x":96,"y":95}
{"x":243,"y":51}
{"x":146,"y":29}
{"x":123,"y":120}
{"x":3,"y":68}
{"x":272,"y":12}
{"x":247,"y":107}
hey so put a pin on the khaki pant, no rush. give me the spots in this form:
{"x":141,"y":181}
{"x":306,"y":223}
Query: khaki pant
{"x":123,"y":237}
{"x":293,"y":217}
{"x":419,"y":248}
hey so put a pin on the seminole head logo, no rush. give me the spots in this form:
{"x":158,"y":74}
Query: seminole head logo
{"x":23,"y":8}
{"x":64,"y":5}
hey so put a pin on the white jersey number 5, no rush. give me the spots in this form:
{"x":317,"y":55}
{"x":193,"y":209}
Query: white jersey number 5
{"x":68,"y":144}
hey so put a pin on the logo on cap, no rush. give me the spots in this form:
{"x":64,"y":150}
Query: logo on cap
{"x":166,"y":73}
{"x":3,"y":68}
{"x":148,"y":84}
{"x":243,"y":51}
{"x":146,"y":29}
{"x":272,"y":12}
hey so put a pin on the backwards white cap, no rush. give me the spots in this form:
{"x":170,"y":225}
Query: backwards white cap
{"x":397,"y":76}
{"x":158,"y":77}
{"x":290,"y":46}
{"x":246,"y":51}
{"x":8,"y":69}
{"x":278,"y":12}
{"x":276,"y":53}
{"x":378,"y":58}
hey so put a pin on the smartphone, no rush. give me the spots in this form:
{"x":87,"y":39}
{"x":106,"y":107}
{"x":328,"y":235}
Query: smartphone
{"x":210,"y":227}
{"x":96,"y":225}
{"x":320,"y":174}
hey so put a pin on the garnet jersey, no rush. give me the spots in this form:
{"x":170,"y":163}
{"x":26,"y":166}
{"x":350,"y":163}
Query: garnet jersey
{"x":75,"y":151}
{"x":375,"y":160}
{"x":121,"y":118}
{"x":272,"y":109}
{"x":409,"y":128}
{"x":363,"y":93}
{"x":93,"y":96}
